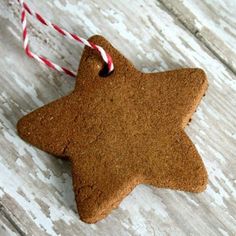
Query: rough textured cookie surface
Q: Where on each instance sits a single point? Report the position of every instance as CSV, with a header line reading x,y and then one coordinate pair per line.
x,y
121,131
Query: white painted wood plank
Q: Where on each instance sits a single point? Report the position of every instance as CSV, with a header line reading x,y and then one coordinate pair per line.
x,y
36,188
212,21
6,228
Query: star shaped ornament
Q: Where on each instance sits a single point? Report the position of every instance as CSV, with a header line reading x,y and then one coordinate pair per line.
x,y
121,131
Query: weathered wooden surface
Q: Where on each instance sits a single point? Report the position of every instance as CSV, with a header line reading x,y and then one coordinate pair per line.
x,y
211,21
6,227
35,188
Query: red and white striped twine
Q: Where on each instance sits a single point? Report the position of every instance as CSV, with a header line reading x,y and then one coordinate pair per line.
x,y
25,9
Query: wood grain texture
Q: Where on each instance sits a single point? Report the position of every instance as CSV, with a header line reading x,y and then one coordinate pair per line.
x,y
211,21
36,189
6,226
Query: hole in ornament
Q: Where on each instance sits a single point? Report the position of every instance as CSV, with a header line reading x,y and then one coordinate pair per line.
x,y
104,72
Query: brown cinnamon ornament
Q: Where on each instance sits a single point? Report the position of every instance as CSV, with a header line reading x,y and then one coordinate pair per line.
x,y
122,130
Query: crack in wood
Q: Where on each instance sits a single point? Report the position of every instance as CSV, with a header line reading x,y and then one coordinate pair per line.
x,y
196,32
8,215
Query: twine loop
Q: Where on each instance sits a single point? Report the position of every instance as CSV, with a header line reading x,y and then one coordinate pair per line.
x,y
109,66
